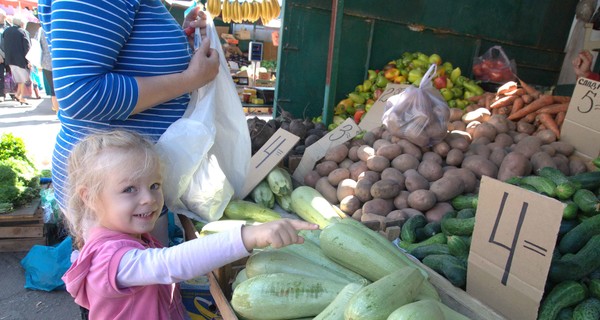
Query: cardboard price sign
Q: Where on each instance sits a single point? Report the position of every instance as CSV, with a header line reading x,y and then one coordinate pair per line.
x,y
344,132
514,237
265,159
373,118
582,123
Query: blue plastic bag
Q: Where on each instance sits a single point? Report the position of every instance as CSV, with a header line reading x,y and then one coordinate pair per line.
x,y
45,265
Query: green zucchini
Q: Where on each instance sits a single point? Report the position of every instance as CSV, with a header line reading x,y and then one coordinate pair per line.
x,y
576,266
263,195
541,184
408,234
450,314
335,310
563,295
247,210
588,309
579,235
452,268
423,309
379,299
587,180
283,296
285,202
311,206
240,277
587,201
280,181
311,235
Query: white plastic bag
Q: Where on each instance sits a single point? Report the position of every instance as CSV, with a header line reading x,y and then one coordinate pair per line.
x,y
207,152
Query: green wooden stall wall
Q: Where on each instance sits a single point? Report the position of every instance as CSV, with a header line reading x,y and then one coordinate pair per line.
x,y
533,32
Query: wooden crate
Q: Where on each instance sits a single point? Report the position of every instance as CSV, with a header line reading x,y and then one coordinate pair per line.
x,y
22,228
453,297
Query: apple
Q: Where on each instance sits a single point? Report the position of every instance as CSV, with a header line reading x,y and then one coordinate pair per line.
x,y
440,82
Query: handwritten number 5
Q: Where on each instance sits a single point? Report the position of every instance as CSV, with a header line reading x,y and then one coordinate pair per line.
x,y
587,95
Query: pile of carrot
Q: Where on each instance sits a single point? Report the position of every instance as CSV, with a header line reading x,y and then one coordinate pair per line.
x,y
525,103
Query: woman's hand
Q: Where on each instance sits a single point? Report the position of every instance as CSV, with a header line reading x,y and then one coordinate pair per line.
x,y
196,18
583,63
204,65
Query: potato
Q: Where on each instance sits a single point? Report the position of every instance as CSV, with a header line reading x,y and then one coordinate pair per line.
x,y
394,175
357,214
389,151
548,149
576,165
430,155
500,123
337,153
421,200
345,188
324,168
540,160
373,221
395,218
547,136
411,212
479,149
346,163
458,125
454,157
481,140
525,127
457,141
357,168
455,114
410,148
442,149
480,166
378,206
385,189
470,181
386,135
515,164
370,175
337,175
380,143
485,130
447,188
562,163
563,148
378,163
519,136
438,211
471,128
310,179
497,156
362,190
405,162
401,200
480,114
350,204
364,152
430,170
369,138
528,146
504,139
353,153
328,191
415,181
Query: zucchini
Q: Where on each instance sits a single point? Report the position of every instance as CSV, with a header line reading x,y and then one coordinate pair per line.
x,y
588,309
408,234
360,251
579,235
563,295
541,184
311,206
263,195
587,180
283,296
311,235
285,202
423,251
465,201
428,291
423,309
224,225
247,210
379,299
577,266
452,268
587,201
450,314
240,277
335,310
280,181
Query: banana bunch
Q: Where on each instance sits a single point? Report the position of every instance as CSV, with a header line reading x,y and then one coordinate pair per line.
x,y
244,10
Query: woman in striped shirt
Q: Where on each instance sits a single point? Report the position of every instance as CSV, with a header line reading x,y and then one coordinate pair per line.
x,y
120,64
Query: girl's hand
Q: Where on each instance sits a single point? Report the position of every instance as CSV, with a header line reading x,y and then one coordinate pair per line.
x,y
204,65
277,234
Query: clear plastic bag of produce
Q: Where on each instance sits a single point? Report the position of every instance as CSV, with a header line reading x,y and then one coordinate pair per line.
x,y
419,115
494,66
207,152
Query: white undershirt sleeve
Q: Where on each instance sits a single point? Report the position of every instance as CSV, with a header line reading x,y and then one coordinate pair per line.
x,y
185,261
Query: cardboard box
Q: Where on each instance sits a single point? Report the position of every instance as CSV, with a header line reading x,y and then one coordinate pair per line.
x,y
582,123
198,300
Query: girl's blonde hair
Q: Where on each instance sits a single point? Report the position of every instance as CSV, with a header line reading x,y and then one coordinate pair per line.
x,y
88,167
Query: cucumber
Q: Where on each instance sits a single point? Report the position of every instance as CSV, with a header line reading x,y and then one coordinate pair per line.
x,y
458,227
423,251
570,211
247,210
577,266
579,235
553,174
587,201
566,226
465,213
588,309
432,228
587,180
565,314
594,288
457,247
563,295
541,184
451,267
465,201
516,181
439,238
596,162
408,233
565,190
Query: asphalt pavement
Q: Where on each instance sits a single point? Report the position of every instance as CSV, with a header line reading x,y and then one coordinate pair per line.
x,y
37,125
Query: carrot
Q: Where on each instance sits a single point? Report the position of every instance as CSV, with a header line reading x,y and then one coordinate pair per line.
x,y
529,118
527,98
560,118
517,105
476,98
542,101
561,99
488,101
507,87
554,108
503,102
517,92
530,90
548,121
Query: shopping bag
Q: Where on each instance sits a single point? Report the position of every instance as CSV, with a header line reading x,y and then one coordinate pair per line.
x,y
10,86
45,265
207,151
418,114
495,66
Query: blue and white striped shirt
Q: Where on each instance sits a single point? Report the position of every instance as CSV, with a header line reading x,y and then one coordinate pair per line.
x,y
98,47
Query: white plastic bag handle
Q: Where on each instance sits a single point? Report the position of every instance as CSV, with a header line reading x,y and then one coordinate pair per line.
x,y
429,75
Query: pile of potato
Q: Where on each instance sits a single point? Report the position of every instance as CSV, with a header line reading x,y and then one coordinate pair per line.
x,y
383,180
